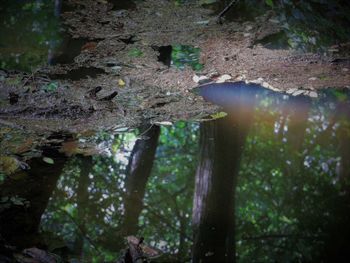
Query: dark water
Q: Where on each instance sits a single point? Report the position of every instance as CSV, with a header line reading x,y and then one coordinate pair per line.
x,y
32,34
79,73
267,183
179,56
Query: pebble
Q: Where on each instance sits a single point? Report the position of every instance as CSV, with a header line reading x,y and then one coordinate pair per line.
x,y
290,91
223,78
199,79
313,94
298,92
257,81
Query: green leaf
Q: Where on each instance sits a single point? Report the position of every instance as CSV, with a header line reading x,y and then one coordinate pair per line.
x,y
135,52
218,115
198,67
207,2
48,160
269,3
340,95
50,87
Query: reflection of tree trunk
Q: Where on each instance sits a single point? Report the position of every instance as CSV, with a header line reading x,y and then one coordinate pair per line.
x,y
138,172
338,231
82,202
57,13
19,225
297,123
343,113
221,146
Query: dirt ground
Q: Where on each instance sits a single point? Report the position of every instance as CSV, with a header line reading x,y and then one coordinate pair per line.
x,y
129,90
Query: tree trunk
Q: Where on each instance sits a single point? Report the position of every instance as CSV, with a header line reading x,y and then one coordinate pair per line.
x,y
82,201
19,224
221,147
138,171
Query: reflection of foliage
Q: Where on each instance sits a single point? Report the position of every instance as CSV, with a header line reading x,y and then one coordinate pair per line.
x,y
183,55
36,33
135,52
168,197
8,164
313,25
101,205
168,201
286,201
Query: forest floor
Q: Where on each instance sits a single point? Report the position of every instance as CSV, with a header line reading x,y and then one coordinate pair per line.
x,y
130,86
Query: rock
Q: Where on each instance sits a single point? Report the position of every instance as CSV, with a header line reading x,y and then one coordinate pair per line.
x,y
223,78
298,92
200,79
290,91
313,94
257,81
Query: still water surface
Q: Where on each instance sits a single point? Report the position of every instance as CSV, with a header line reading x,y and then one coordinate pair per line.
x,y
267,183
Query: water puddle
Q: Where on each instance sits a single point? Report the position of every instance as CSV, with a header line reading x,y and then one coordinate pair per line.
x,y
40,37
79,73
122,5
240,11
38,33
165,54
68,50
179,56
267,182
275,41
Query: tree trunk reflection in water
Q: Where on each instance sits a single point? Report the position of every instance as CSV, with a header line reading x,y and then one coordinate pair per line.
x,y
298,110
137,174
82,202
337,243
19,225
221,147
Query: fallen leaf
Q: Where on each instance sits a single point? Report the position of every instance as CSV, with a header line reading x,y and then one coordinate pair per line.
x,y
48,160
121,82
8,164
89,46
218,115
166,123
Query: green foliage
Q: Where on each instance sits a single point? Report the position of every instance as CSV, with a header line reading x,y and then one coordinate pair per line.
x,y
218,115
135,52
52,86
269,3
285,199
37,32
289,199
183,55
314,25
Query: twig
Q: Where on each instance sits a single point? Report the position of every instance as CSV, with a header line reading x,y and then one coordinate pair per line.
x,y
223,12
11,125
31,76
277,236
85,235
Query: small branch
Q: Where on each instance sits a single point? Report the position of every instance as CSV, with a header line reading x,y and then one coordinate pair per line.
x,y
226,9
276,236
85,235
